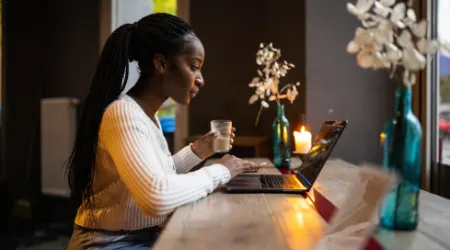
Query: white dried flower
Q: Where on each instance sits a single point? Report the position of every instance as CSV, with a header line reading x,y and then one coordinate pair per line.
x,y
361,8
381,9
387,3
411,15
268,81
413,60
398,14
253,99
391,38
419,29
405,39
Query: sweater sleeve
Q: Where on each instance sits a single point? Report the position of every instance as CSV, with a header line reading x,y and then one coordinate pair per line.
x,y
185,160
128,139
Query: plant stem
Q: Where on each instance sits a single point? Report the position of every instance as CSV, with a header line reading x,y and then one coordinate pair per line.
x,y
285,87
259,114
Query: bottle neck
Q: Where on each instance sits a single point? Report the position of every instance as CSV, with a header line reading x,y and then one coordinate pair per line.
x,y
280,111
403,98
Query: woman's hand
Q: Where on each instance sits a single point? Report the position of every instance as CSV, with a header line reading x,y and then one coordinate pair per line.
x,y
237,166
203,147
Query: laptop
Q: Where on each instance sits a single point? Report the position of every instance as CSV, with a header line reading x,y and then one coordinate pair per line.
x,y
304,177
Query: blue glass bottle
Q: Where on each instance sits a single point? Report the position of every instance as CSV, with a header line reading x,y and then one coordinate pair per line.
x,y
281,140
402,138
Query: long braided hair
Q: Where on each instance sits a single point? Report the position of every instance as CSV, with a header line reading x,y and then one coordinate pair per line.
x,y
158,33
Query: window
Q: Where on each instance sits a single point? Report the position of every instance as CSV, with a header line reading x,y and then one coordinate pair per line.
x,y
167,112
442,80
126,11
166,6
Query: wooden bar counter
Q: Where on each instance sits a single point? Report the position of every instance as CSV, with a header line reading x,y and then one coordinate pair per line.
x,y
285,221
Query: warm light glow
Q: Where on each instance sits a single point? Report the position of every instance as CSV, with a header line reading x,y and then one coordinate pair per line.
x,y
382,138
303,220
302,141
285,135
310,202
300,218
311,196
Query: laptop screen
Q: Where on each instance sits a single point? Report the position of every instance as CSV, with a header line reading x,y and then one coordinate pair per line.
x,y
321,148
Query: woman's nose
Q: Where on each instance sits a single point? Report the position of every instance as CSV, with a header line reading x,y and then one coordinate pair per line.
x,y
199,82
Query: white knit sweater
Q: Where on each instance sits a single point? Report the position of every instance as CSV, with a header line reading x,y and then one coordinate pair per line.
x,y
137,183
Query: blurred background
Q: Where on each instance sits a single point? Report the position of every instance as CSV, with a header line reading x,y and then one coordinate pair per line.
x,y
50,48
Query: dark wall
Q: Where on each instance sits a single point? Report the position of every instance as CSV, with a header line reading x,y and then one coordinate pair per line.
x,y
73,47
339,89
50,50
23,79
231,31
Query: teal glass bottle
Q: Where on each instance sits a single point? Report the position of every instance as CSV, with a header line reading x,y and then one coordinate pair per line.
x,y
402,138
281,140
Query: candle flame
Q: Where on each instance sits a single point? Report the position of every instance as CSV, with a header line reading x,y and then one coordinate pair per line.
x,y
303,129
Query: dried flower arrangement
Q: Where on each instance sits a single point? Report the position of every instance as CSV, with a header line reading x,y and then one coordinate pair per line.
x,y
267,82
391,38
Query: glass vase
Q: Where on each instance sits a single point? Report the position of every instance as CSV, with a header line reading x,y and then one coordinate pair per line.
x,y
281,140
402,139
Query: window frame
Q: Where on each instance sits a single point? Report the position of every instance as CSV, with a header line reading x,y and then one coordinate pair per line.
x,y
438,174
3,169
425,105
421,107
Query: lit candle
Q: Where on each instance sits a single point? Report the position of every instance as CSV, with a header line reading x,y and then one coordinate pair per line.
x,y
302,141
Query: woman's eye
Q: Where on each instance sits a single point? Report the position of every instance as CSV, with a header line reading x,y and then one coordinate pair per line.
x,y
195,67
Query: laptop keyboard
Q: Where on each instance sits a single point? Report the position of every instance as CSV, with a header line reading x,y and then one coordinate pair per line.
x,y
278,181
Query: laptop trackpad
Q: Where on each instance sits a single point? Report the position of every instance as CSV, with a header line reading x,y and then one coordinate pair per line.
x,y
246,181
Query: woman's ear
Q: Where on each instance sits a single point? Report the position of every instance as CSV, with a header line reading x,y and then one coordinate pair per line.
x,y
160,63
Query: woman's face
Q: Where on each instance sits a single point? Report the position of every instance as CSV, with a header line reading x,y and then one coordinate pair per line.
x,y
183,78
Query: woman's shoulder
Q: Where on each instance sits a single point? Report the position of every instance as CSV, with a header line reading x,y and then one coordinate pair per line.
x,y
124,108
121,118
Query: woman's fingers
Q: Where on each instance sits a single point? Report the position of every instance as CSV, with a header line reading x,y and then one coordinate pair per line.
x,y
252,170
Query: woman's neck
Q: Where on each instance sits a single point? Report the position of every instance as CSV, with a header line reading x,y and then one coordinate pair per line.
x,y
151,98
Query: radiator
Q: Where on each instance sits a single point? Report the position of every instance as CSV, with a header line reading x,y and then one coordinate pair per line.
x,y
58,129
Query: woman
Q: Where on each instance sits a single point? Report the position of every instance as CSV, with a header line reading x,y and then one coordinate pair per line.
x,y
120,169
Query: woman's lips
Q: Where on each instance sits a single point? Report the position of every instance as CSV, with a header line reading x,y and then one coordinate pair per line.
x,y
194,93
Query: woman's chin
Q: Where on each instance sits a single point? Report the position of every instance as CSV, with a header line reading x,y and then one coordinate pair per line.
x,y
185,101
